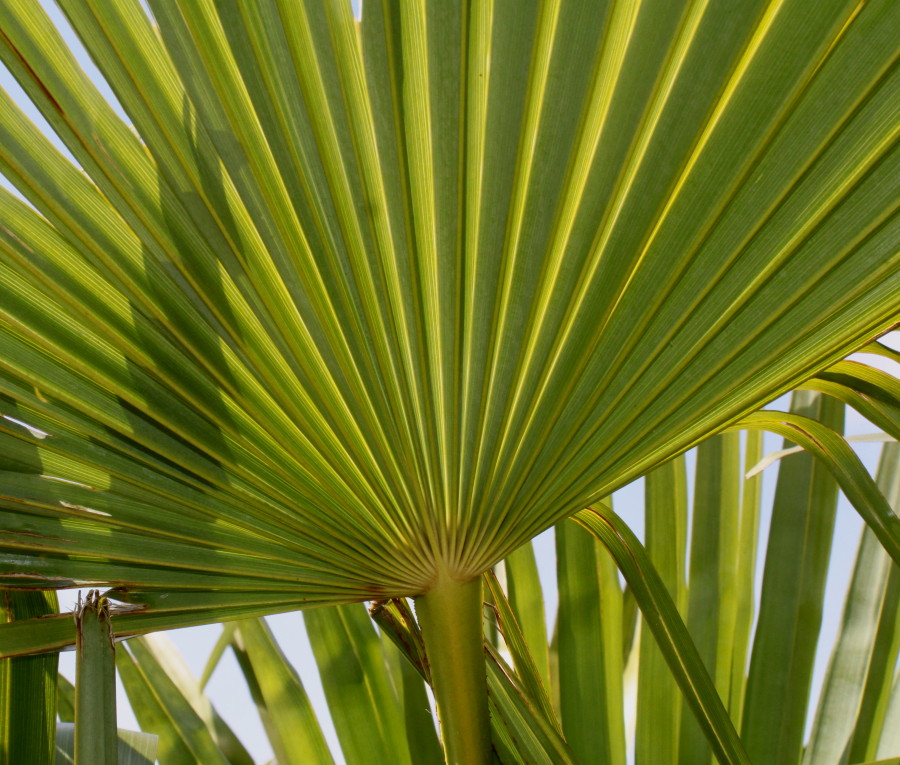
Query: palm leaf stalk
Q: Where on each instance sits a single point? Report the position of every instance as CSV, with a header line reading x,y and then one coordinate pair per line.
x,y
96,733
340,309
450,618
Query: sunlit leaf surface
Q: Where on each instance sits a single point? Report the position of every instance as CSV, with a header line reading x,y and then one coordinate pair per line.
x,y
341,304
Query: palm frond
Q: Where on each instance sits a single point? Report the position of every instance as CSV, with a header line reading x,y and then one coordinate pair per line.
x,y
343,304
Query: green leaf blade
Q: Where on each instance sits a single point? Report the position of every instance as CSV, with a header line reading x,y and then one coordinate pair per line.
x,y
590,663
659,699
280,697
793,585
672,636
356,685
27,687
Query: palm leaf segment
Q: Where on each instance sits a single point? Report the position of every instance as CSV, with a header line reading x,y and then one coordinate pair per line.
x,y
351,302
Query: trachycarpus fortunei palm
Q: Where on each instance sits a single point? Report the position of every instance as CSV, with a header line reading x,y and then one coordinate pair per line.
x,y
350,309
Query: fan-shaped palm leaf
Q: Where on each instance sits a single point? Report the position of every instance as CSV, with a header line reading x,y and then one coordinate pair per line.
x,y
354,307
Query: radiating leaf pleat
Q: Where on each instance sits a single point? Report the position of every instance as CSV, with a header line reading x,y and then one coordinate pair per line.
x,y
394,295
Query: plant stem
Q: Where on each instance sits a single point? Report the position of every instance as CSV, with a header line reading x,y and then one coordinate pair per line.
x,y
450,617
96,734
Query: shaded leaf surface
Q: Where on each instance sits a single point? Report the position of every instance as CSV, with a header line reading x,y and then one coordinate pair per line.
x,y
338,300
